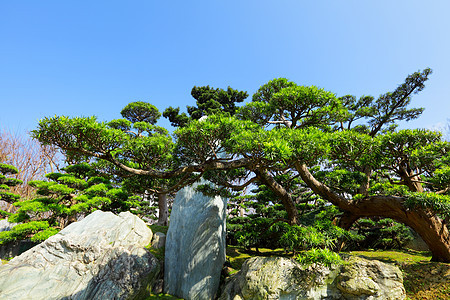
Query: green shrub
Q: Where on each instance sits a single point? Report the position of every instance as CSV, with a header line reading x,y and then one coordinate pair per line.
x,y
321,256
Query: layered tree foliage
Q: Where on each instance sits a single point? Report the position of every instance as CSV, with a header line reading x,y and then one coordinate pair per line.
x,y
6,183
345,150
138,122
209,101
138,153
291,137
78,191
19,231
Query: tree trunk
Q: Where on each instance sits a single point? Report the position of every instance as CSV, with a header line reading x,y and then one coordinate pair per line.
x,y
286,198
364,188
163,215
431,228
412,182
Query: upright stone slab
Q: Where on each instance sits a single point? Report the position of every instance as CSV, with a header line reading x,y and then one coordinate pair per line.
x,y
195,245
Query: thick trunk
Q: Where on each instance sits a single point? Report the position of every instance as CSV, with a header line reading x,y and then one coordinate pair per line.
x,y
163,216
364,188
431,228
346,220
284,196
412,182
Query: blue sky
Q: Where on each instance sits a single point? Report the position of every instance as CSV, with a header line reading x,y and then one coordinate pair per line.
x,y
83,58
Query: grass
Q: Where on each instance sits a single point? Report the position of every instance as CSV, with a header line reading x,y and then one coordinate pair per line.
x,y
157,228
398,257
236,255
158,253
162,296
422,278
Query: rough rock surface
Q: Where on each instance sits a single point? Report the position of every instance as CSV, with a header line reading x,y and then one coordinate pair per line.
x,y
195,245
284,278
417,243
5,225
159,240
100,257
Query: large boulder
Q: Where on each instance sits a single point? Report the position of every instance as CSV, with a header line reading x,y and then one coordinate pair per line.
x,y
100,257
195,245
285,278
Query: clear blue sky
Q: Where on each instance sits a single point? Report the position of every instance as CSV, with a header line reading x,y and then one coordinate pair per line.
x,y
82,58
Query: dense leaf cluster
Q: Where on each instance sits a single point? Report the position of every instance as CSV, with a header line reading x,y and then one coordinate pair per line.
x,y
63,199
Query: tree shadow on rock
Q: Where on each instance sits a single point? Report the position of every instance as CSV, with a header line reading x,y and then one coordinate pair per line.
x,y
126,276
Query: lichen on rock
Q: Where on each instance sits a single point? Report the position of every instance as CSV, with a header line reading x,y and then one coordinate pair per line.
x,y
285,278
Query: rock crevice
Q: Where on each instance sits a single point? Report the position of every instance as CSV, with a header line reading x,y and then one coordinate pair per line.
x,y
100,257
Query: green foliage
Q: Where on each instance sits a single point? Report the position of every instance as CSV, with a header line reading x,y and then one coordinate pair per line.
x,y
140,112
253,233
266,91
159,228
210,101
382,233
307,106
301,238
124,144
23,231
8,169
121,124
303,146
8,196
439,204
44,234
58,202
5,185
321,256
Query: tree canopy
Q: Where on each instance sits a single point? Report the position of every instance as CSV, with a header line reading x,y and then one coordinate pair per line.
x,y
291,137
209,101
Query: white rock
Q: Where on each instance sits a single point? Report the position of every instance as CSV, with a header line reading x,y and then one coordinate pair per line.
x,y
159,240
100,257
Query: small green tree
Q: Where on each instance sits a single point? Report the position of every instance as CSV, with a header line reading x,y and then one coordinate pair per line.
x,y
5,187
64,198
19,231
127,147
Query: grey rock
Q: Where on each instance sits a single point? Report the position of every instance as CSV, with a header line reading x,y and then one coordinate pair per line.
x,y
195,245
417,243
159,240
371,279
14,248
100,257
284,278
158,287
5,225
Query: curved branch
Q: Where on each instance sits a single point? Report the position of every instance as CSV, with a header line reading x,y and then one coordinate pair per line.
x,y
209,165
182,183
240,187
321,189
